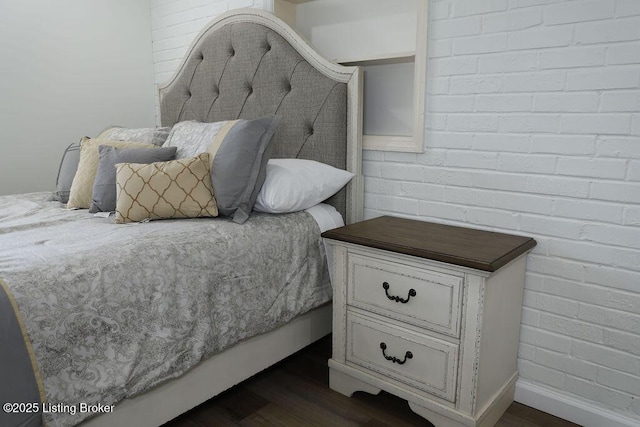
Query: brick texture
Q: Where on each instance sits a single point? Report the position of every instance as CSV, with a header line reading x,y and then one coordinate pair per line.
x,y
537,133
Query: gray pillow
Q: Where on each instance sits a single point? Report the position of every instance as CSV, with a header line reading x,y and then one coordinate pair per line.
x,y
103,198
240,150
66,172
240,166
155,136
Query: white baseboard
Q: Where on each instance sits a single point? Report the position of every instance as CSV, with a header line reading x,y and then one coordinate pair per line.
x,y
570,408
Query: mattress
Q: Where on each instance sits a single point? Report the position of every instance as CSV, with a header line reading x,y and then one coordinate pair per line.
x,y
112,310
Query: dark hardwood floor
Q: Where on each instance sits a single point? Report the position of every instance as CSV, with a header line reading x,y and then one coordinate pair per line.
x,y
295,392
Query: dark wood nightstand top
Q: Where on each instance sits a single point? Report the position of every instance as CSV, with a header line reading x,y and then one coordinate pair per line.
x,y
482,250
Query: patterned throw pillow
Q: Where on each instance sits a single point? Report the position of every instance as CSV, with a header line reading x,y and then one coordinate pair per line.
x,y
175,189
82,186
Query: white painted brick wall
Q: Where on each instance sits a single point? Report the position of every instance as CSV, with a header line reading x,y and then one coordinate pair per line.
x,y
533,127
572,12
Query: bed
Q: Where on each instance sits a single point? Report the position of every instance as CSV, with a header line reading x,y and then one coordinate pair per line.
x,y
244,65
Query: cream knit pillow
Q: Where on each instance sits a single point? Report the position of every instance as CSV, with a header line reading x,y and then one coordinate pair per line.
x,y
175,189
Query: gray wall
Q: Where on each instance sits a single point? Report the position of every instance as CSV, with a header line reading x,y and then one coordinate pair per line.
x,y
67,69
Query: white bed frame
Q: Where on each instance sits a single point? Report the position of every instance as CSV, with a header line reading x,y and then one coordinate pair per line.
x,y
251,356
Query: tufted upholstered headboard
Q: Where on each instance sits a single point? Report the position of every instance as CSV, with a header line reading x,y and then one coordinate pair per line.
x,y
247,64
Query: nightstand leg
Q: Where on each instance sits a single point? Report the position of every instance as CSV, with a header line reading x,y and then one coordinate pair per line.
x,y
348,385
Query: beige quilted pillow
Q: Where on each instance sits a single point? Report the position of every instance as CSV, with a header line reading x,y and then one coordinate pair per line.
x,y
82,185
175,189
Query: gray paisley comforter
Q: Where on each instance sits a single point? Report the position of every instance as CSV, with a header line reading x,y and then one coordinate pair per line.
x,y
112,310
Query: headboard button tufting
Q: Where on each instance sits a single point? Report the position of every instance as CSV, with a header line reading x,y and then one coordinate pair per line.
x,y
213,85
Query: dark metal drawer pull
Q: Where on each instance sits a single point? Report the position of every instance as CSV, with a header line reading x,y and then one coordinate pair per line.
x,y
412,293
407,355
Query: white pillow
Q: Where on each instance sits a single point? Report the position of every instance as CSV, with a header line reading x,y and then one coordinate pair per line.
x,y
293,185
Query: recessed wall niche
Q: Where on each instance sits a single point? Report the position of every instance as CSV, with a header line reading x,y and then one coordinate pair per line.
x,y
389,40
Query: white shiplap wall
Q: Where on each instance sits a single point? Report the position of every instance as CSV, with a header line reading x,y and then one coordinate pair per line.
x,y
533,127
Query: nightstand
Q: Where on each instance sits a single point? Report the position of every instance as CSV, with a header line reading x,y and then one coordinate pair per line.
x,y
430,313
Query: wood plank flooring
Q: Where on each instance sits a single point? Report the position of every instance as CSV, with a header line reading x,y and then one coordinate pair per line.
x,y
296,392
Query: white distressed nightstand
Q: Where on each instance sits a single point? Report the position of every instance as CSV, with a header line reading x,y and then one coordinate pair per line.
x,y
430,313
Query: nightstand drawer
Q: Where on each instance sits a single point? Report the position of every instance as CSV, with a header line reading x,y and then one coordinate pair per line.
x,y
422,362
418,296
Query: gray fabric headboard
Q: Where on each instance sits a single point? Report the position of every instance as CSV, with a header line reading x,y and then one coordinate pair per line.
x,y
240,69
